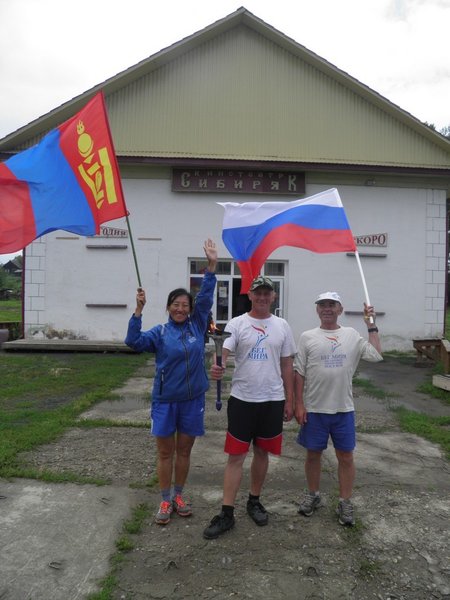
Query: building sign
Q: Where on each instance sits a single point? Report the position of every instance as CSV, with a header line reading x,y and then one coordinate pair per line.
x,y
371,239
112,232
238,181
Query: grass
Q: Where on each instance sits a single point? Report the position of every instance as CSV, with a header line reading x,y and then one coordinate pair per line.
x,y
124,544
428,388
434,429
43,394
368,569
10,310
368,386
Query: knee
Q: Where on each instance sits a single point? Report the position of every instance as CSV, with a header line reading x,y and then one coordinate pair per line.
x,y
313,457
259,452
165,454
345,458
184,452
236,460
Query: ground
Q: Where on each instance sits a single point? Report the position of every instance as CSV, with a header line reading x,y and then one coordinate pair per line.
x,y
399,548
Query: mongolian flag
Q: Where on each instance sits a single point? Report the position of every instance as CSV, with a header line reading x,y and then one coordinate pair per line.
x,y
70,181
253,230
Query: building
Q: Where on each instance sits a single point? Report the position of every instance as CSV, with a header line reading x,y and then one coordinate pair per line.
x,y
14,266
240,112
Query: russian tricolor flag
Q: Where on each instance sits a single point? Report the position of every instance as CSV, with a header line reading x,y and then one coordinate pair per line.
x,y
253,230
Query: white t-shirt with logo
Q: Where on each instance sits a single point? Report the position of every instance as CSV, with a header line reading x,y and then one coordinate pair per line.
x,y
328,360
258,346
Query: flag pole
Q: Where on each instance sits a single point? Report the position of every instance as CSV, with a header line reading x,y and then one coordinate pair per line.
x,y
366,292
134,251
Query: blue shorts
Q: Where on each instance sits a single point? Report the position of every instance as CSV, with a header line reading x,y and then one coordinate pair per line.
x,y
183,417
314,434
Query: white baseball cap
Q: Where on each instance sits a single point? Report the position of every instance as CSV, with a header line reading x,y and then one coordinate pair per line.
x,y
329,296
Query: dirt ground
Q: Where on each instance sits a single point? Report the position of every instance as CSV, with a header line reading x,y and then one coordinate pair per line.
x,y
399,548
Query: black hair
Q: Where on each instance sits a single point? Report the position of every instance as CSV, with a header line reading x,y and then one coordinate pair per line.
x,y
174,294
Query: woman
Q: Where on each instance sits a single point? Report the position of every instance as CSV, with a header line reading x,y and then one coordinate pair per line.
x,y
178,395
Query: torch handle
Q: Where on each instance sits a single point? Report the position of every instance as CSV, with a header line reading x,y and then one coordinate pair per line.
x,y
219,384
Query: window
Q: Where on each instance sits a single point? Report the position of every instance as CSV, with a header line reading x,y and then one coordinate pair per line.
x,y
228,301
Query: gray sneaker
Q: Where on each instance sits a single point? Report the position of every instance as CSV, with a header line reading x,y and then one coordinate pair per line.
x,y
345,512
309,504
163,515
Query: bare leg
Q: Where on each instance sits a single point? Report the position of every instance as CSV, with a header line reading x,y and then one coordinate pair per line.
x,y
312,469
346,473
260,464
232,478
164,467
184,445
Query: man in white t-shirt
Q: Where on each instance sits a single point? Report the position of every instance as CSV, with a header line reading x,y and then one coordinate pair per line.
x,y
326,360
263,347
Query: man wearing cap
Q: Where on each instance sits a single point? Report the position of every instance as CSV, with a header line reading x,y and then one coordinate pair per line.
x,y
263,347
326,360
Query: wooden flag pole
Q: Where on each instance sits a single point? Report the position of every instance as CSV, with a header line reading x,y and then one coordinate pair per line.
x,y
134,251
366,292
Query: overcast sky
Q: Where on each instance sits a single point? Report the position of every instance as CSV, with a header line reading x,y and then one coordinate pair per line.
x,y
52,50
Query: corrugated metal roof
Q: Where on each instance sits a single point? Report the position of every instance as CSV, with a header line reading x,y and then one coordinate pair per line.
x,y
241,90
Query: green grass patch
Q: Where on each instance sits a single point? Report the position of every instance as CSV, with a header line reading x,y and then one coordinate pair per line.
x,y
435,392
94,423
43,395
404,358
108,584
369,387
434,429
10,310
123,545
368,569
428,388
134,525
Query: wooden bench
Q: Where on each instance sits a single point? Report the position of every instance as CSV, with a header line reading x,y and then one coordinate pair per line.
x,y
428,349
445,356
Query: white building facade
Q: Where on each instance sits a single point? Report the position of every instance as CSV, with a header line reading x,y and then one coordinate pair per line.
x,y
232,107
85,287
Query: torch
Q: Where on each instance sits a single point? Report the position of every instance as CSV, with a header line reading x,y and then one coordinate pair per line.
x,y
218,338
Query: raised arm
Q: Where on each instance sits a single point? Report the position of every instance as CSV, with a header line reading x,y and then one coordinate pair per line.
x,y
140,302
374,339
211,254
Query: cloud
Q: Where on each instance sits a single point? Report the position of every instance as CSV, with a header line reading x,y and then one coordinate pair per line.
x,y
47,56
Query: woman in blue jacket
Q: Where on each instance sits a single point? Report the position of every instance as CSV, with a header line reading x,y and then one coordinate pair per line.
x,y
178,395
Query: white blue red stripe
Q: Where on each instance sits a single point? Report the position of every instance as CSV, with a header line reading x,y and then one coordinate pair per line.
x,y
253,230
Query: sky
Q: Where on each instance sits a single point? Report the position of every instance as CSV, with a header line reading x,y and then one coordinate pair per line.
x,y
52,51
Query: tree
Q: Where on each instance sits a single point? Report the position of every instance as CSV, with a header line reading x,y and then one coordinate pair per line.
x,y
445,131
9,282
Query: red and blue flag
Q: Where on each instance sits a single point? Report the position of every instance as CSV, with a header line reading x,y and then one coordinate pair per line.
x,y
70,180
253,230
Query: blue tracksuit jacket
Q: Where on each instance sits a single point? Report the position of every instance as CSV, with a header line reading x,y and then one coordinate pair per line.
x,y
179,349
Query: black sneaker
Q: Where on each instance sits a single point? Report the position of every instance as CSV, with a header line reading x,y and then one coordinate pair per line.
x,y
257,512
218,525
